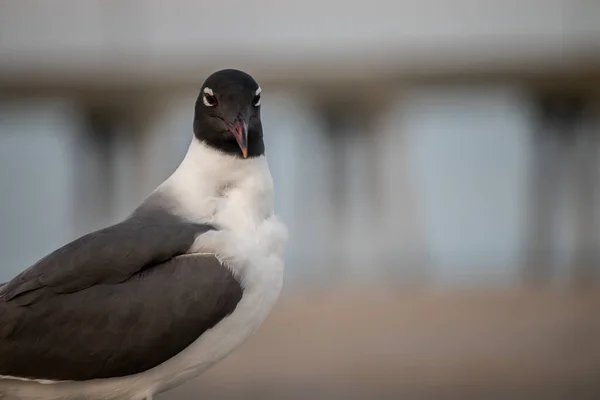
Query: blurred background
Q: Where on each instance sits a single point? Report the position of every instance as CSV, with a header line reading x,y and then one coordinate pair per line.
x,y
436,163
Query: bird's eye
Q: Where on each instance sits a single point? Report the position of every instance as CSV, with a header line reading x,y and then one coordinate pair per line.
x,y
256,100
209,100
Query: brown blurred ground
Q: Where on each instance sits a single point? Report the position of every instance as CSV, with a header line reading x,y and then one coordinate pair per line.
x,y
353,344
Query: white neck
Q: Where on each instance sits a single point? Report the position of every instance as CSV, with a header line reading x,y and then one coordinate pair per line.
x,y
214,187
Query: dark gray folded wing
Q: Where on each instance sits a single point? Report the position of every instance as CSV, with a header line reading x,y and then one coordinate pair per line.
x,y
114,302
116,328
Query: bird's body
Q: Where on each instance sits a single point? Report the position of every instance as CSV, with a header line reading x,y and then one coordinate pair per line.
x,y
142,306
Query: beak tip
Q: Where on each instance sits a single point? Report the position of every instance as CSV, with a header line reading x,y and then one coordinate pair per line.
x,y
239,130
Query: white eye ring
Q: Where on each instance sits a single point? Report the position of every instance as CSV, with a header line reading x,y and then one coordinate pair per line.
x,y
209,98
257,97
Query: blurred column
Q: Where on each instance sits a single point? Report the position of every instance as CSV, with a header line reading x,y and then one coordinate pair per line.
x,y
586,261
110,184
111,148
547,173
376,215
563,218
400,240
355,194
37,179
583,164
93,160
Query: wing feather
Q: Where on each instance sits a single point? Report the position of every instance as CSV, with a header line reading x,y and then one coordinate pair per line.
x,y
116,329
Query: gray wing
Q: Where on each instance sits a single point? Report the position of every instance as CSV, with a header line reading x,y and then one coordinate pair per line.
x,y
116,329
112,303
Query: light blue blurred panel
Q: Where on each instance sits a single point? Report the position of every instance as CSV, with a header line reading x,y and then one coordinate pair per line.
x,y
37,144
281,130
471,151
299,158
166,140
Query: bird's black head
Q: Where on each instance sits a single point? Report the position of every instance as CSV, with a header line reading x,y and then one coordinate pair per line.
x,y
227,114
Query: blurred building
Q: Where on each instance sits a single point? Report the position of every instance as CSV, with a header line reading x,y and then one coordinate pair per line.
x,y
409,141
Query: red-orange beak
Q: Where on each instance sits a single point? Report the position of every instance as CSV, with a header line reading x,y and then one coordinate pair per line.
x,y
239,130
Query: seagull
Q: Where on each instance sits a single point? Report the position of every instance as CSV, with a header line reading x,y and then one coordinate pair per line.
x,y
144,305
